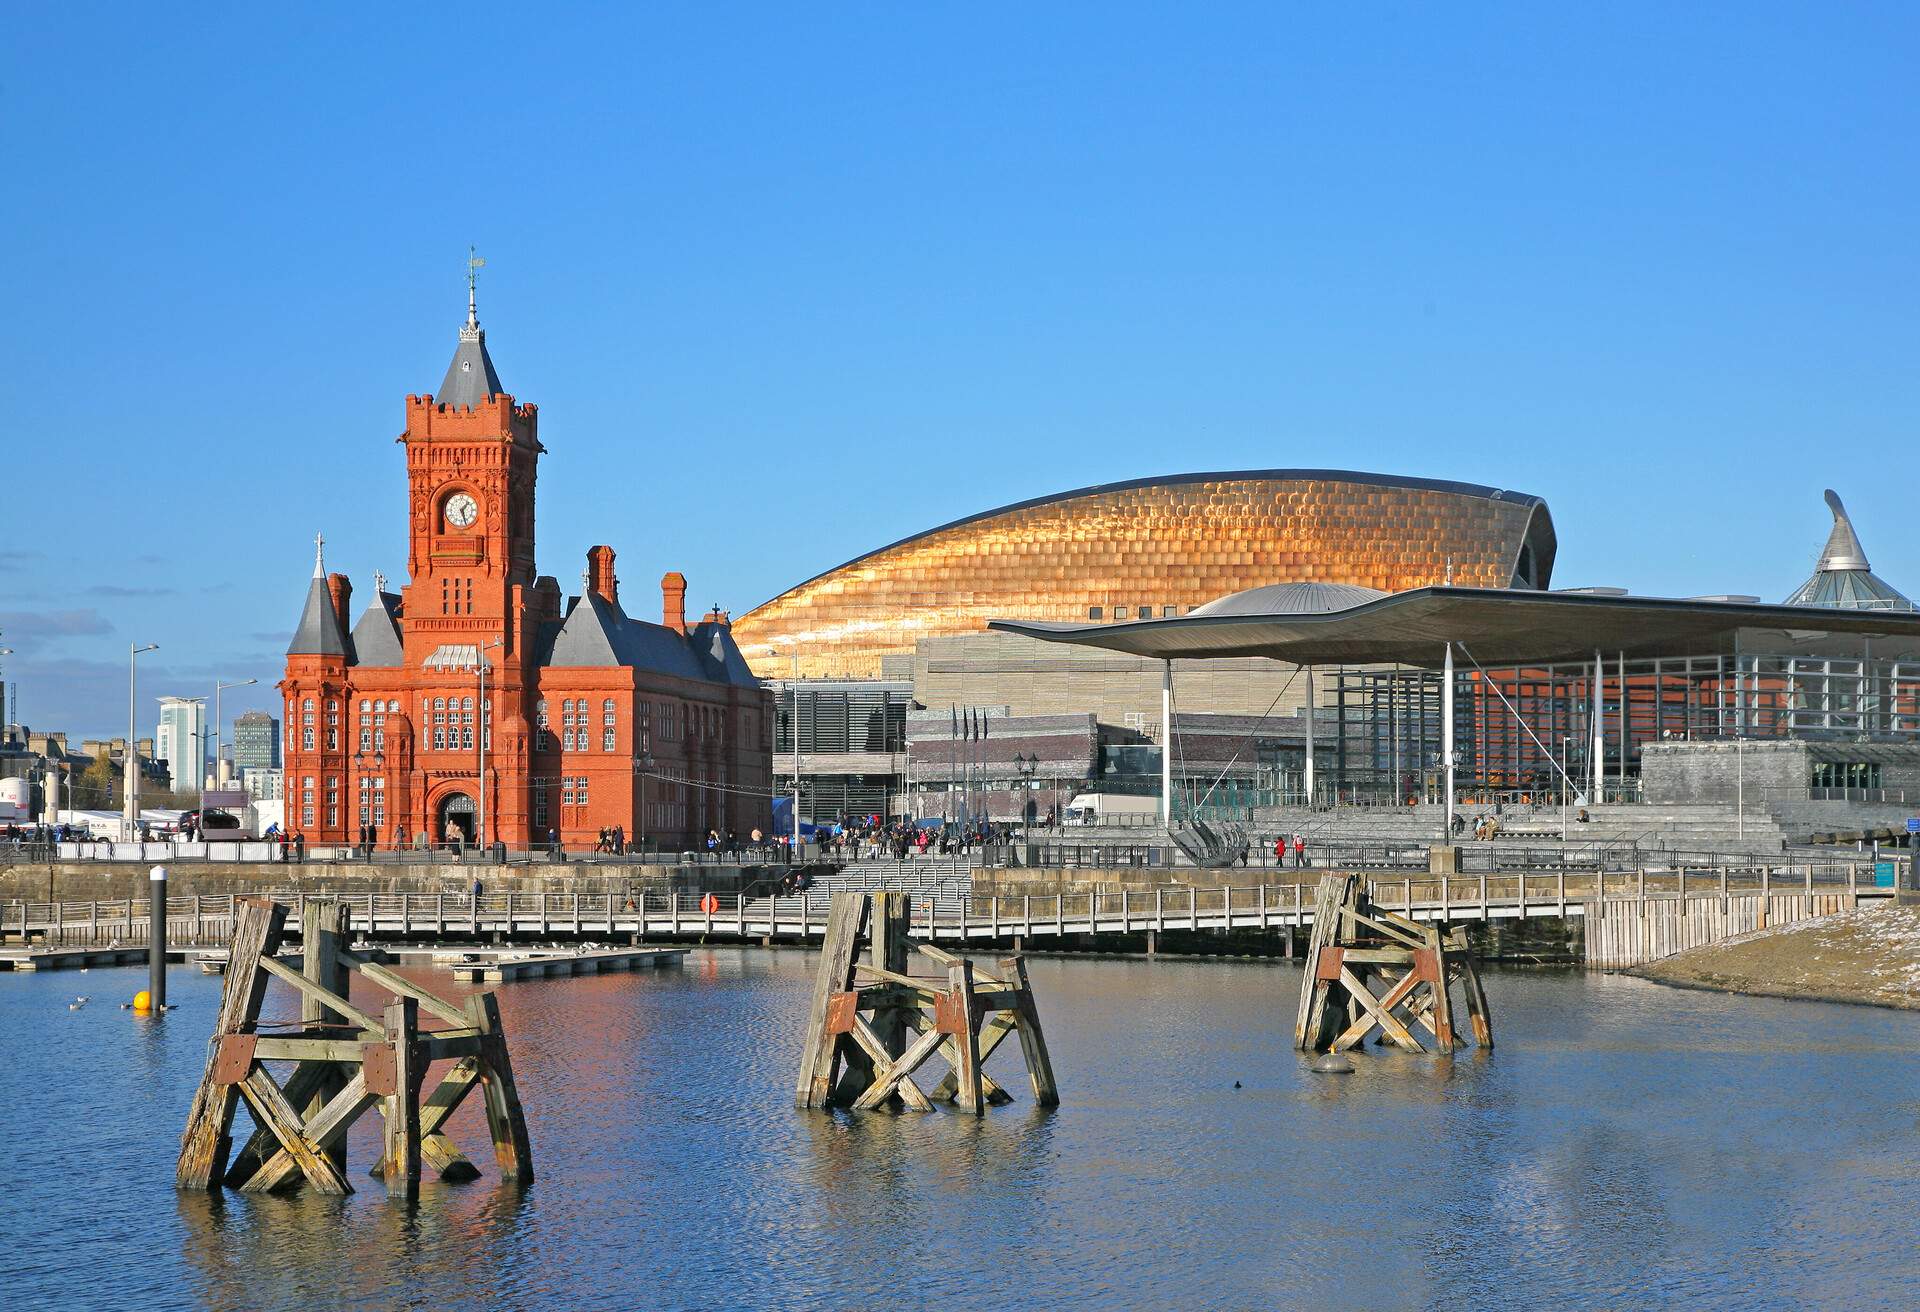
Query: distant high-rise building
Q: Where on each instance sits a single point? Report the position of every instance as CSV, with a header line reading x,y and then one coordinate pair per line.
x,y
262,784
180,742
256,742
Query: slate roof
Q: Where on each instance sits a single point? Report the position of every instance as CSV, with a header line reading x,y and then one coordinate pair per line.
x,y
319,631
376,638
470,377
597,632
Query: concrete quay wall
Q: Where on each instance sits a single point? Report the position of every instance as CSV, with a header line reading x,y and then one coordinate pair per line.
x,y
89,881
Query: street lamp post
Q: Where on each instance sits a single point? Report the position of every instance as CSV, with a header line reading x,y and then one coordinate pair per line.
x,y
9,719
646,765
1027,765
130,786
218,688
480,721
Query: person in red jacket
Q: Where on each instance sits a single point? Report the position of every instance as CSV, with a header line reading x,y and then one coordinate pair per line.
x,y
1280,850
1300,850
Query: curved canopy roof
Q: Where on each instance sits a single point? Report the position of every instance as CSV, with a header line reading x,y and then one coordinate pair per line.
x,y
1290,599
1496,626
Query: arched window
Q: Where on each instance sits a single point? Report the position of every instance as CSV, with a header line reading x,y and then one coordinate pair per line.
x,y
307,705
466,703
439,703
606,712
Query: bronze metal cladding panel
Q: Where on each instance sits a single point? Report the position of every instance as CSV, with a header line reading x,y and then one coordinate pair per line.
x,y
1144,548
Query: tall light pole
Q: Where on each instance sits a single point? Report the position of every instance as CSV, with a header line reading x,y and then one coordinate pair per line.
x,y
480,735
793,726
1027,766
4,717
218,688
130,785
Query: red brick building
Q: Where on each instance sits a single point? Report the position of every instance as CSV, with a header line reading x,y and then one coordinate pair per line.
x,y
588,719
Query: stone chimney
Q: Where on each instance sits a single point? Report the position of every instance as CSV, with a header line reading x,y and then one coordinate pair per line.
x,y
340,592
600,579
673,601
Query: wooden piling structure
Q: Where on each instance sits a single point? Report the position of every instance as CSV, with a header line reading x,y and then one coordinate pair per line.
x,y
872,1025
344,1061
1369,969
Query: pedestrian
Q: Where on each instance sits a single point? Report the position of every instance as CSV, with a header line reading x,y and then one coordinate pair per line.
x,y
300,846
1280,851
1300,851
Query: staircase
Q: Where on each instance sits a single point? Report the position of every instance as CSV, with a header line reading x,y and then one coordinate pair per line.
x,y
1701,827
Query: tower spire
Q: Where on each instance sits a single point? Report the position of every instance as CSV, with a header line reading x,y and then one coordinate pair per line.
x,y
319,556
474,263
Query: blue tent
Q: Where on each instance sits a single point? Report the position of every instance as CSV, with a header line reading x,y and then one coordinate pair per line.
x,y
783,821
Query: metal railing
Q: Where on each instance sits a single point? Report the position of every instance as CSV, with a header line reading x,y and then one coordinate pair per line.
x,y
590,916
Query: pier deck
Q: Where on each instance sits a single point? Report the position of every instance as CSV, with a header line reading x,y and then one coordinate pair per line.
x,y
492,968
1646,914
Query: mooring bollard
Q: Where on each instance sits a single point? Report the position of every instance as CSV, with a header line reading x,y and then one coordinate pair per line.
x,y
157,938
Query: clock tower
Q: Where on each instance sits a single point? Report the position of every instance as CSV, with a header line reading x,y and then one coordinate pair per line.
x,y
472,454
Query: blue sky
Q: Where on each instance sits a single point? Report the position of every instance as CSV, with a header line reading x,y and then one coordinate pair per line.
x,y
789,282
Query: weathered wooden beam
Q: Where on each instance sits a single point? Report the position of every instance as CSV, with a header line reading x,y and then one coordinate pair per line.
x,y
270,1106
1477,1009
438,1152
965,1028
992,1034
431,1003
506,1121
949,960
1356,1034
1033,1043
258,925
402,1106
1432,968
1396,1033
887,1079
327,997
880,1059
325,924
437,1045
325,1132
261,1145
1379,956
819,1056
1313,1025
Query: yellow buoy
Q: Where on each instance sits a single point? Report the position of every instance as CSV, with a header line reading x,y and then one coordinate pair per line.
x,y
143,1001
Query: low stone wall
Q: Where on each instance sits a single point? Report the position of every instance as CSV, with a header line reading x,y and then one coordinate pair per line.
x,y
1078,880
89,881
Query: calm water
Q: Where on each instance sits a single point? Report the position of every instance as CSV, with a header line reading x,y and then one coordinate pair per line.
x,y
1627,1146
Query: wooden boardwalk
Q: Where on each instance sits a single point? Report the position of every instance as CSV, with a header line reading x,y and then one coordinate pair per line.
x,y
495,968
1645,914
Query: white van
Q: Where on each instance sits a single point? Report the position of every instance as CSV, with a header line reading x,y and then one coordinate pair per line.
x,y
1113,809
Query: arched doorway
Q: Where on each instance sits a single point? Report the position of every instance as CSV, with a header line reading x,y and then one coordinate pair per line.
x,y
456,818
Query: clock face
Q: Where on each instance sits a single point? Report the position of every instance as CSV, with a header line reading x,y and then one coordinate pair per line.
x,y
461,510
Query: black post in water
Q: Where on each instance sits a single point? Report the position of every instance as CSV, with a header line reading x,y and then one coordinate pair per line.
x,y
157,938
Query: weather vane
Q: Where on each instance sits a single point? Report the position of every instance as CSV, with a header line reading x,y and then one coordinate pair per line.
x,y
474,264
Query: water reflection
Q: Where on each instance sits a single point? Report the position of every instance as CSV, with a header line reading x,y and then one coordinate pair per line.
x,y
1626,1146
